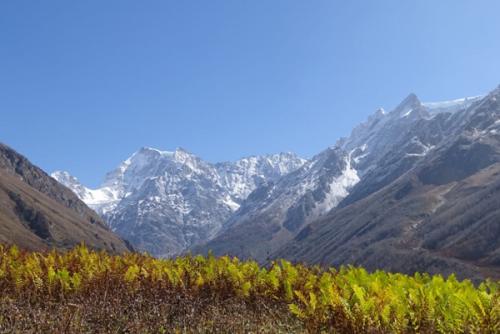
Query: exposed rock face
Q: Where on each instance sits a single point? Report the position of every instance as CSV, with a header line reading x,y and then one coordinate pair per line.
x,y
37,213
273,213
376,153
165,202
438,214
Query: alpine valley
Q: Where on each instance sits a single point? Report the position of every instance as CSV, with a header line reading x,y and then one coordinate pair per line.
x,y
413,189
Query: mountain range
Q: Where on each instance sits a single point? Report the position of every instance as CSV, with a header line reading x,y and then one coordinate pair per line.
x,y
166,202
413,189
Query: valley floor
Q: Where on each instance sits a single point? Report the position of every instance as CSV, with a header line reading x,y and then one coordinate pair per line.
x,y
81,291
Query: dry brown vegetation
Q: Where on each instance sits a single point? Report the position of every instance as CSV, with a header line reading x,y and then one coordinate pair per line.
x,y
81,291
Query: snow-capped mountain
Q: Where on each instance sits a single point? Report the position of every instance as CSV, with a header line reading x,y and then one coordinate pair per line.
x,y
100,200
429,203
389,144
242,177
274,212
373,139
390,187
377,152
165,202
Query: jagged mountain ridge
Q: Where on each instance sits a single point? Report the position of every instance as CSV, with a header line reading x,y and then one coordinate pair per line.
x,y
277,216
438,214
165,202
274,212
377,152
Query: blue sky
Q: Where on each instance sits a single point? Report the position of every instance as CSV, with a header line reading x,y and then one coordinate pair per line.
x,y
83,84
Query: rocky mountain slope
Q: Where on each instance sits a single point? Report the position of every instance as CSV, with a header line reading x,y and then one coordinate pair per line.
x,y
165,202
377,151
37,213
435,209
273,213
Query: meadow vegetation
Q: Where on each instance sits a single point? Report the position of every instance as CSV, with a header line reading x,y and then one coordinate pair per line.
x,y
82,291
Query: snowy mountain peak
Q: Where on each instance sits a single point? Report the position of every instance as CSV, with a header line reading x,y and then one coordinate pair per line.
x,y
182,149
166,201
68,180
411,99
152,150
150,153
382,129
183,156
410,104
101,200
64,176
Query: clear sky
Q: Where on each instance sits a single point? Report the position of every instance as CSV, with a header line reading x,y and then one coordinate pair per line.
x,y
83,84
